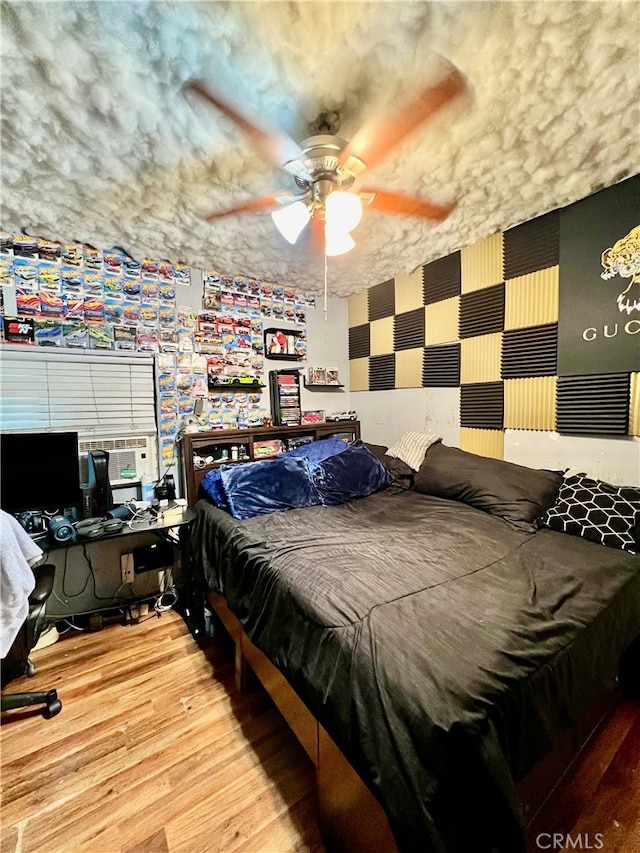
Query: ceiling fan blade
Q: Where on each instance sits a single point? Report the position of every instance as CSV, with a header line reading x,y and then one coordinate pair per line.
x,y
373,142
277,144
390,202
250,206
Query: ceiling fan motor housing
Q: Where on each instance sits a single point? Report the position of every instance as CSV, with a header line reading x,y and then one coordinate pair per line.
x,y
320,159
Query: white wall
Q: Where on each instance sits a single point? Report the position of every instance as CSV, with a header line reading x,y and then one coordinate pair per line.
x,y
616,460
386,415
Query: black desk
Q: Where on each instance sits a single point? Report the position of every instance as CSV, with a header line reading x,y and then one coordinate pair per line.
x,y
174,517
177,516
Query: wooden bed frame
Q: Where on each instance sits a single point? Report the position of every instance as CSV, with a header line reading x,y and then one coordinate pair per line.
x,y
351,820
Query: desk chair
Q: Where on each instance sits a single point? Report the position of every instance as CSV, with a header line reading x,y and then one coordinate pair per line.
x,y
17,662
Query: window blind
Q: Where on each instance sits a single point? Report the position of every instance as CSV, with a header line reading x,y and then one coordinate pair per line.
x,y
93,394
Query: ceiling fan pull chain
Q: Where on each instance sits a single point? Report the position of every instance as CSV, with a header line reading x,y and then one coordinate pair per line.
x,y
325,287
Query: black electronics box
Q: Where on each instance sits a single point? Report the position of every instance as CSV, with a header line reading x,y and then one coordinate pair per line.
x,y
149,558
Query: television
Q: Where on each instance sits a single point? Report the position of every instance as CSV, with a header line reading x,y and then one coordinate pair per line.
x,y
39,471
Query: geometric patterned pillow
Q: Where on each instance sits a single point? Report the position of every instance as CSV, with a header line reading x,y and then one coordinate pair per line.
x,y
597,511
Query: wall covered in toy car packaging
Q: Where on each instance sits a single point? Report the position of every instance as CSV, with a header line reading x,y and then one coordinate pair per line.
x,y
210,358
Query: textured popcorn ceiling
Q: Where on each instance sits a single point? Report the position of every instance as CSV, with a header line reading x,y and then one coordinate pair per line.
x,y
99,144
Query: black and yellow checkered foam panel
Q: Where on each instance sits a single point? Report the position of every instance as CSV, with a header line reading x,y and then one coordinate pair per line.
x,y
486,319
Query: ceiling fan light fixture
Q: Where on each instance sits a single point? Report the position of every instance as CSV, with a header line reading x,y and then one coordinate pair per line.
x,y
343,210
290,220
337,241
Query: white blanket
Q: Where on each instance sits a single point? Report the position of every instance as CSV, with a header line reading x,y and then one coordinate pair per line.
x,y
18,552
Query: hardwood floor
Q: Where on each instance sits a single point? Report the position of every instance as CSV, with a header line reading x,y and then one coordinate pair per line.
x,y
155,752
597,805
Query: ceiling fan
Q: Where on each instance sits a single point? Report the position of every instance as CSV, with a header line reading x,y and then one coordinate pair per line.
x,y
327,169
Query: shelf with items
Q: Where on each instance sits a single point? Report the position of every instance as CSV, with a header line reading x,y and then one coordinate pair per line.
x,y
332,386
280,357
204,444
220,451
284,389
283,344
246,387
321,377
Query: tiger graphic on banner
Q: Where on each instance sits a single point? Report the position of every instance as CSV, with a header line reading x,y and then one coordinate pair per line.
x,y
623,259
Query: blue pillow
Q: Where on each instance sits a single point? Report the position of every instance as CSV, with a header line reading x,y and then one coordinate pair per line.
x,y
354,473
271,485
212,485
316,451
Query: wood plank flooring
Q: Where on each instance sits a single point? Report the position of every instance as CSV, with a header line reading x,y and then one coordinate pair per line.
x,y
155,752
597,805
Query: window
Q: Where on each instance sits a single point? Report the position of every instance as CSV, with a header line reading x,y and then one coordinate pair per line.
x,y
93,394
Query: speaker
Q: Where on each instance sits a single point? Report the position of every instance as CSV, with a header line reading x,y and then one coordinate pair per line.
x,y
61,529
98,498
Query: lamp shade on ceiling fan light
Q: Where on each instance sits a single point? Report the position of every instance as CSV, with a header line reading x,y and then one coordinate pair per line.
x,y
337,241
343,210
290,220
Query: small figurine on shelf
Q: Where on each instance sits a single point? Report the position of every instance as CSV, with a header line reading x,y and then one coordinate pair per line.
x,y
278,343
267,422
317,376
343,416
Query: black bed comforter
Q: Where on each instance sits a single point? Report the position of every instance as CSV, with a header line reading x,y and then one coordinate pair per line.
x,y
441,649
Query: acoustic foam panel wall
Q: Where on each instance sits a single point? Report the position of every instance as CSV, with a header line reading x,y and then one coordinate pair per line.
x,y
634,405
359,341
382,372
530,352
482,405
531,300
359,374
492,318
382,300
534,245
482,311
358,304
409,368
484,442
441,321
441,366
408,330
381,336
480,359
441,279
530,403
481,264
592,405
408,291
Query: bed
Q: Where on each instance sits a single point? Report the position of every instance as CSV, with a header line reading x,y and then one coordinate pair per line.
x,y
443,648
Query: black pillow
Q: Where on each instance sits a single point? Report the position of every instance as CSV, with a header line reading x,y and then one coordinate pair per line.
x,y
517,494
597,511
398,469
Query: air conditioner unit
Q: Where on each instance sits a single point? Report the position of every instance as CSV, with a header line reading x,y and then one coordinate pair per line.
x,y
129,457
